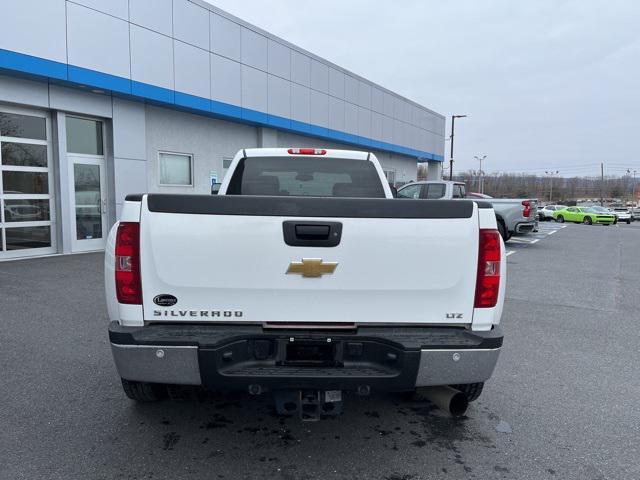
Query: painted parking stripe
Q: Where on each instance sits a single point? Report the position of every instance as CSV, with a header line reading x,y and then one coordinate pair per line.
x,y
510,252
522,240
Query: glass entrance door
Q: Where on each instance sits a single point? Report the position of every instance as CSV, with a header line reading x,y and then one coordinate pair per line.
x,y
88,202
27,215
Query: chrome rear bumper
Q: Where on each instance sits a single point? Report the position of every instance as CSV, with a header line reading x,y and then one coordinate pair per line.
x,y
235,357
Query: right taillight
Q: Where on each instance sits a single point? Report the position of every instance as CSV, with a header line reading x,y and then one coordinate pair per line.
x,y
526,210
128,285
488,279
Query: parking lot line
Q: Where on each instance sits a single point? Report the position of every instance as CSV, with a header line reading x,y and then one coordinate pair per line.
x,y
522,240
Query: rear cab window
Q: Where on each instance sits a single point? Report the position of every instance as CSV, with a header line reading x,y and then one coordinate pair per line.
x,y
434,190
306,177
411,191
458,191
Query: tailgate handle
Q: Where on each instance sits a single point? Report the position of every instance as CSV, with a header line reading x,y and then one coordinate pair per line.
x,y
311,234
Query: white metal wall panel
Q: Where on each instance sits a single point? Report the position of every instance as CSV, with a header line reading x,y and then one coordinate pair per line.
x,y
191,23
336,114
97,41
387,129
42,35
364,122
351,89
376,126
129,129
79,101
351,118
116,8
319,109
398,132
151,57
300,103
254,48
388,104
300,68
130,176
279,97
319,76
226,80
336,83
279,60
156,15
192,69
364,94
377,100
27,92
225,37
254,89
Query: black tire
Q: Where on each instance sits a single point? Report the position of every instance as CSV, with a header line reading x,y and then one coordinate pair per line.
x,y
628,222
560,219
141,391
503,231
587,221
471,390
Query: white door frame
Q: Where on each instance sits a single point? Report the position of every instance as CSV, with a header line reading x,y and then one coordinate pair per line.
x,y
87,245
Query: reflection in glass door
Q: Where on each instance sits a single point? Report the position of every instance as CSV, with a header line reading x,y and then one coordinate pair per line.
x,y
89,204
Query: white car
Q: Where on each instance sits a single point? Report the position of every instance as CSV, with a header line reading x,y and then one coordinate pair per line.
x,y
622,214
287,282
546,212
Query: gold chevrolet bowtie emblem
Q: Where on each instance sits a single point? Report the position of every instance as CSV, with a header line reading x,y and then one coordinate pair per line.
x,y
312,267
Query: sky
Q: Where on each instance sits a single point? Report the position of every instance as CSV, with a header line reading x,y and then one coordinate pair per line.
x,y
546,84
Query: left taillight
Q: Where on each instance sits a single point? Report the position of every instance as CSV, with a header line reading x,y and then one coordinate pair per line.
x,y
128,284
526,211
488,279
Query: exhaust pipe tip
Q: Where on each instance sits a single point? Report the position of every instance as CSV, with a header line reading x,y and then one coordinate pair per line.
x,y
446,398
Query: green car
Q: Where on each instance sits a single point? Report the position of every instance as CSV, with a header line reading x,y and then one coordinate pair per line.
x,y
586,215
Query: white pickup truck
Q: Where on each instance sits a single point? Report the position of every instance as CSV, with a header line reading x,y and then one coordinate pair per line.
x,y
305,278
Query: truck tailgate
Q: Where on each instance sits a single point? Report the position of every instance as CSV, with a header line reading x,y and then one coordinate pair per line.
x,y
225,259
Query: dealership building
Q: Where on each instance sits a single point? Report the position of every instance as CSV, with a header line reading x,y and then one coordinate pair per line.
x,y
101,98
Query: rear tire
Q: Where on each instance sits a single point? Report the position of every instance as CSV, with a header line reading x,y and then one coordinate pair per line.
x,y
587,221
503,231
142,392
628,222
560,219
471,390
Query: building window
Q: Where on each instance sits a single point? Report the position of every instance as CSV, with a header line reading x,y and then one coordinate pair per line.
x,y
176,169
84,136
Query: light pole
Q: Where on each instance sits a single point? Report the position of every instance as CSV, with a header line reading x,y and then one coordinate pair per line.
x,y
633,185
453,125
481,173
551,174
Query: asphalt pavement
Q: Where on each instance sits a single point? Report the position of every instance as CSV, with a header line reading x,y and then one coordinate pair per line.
x,y
563,402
